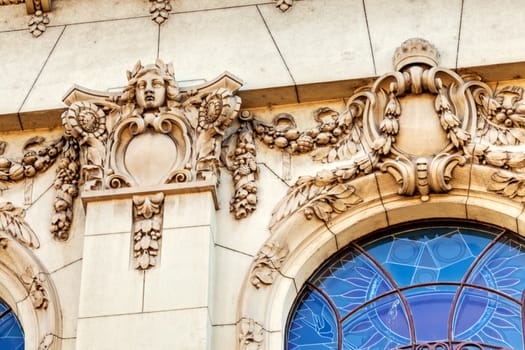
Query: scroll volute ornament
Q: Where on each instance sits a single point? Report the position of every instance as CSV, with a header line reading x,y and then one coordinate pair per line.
x,y
384,125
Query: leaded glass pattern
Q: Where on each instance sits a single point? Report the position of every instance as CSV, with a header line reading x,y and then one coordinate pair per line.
x,y
11,334
430,286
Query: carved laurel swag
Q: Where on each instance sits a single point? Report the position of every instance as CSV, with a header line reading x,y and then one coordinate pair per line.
x,y
37,157
321,196
12,223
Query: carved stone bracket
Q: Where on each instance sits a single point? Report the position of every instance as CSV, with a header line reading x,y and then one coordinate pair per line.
x,y
39,21
267,264
283,5
251,334
147,230
37,8
160,10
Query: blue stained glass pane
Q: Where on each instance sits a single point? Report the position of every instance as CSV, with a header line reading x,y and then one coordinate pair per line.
x,y
380,325
351,281
428,266
488,316
430,308
314,325
11,335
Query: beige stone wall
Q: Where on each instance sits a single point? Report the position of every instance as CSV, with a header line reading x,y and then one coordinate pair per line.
x,y
204,292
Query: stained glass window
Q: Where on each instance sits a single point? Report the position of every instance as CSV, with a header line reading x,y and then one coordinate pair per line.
x,y
430,286
11,334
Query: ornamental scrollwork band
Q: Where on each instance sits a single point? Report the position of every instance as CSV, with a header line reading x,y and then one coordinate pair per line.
x,y
109,136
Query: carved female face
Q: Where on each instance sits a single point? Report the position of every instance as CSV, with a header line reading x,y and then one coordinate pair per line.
x,y
150,91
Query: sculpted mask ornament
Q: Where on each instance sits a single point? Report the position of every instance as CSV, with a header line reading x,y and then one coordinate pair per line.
x,y
150,87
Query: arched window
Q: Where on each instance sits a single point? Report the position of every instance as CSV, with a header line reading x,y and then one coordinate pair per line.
x,y
11,334
431,285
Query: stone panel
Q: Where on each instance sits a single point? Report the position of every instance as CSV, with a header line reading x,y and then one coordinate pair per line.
x,y
21,64
392,22
79,11
67,284
109,283
171,330
181,279
196,5
230,272
113,216
94,55
314,44
202,45
185,210
491,32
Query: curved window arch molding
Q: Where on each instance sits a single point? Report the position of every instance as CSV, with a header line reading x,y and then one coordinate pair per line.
x,y
27,288
263,312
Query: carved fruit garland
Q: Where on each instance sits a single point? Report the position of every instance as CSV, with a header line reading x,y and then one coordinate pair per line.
x,y
38,158
241,161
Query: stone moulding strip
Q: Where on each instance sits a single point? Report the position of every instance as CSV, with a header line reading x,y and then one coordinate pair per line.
x,y
169,189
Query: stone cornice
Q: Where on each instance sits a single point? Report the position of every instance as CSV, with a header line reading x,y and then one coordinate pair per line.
x,y
264,97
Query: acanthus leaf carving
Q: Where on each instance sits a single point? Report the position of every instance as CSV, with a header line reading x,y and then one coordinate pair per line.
x,y
46,342
147,230
251,334
508,184
12,223
267,264
34,283
321,196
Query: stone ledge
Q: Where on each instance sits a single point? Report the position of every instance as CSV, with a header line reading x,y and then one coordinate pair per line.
x,y
175,188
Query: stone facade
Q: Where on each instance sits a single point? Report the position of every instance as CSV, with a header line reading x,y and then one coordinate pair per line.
x,y
148,204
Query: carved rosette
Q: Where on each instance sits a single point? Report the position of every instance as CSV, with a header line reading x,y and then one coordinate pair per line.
x,y
267,264
216,113
147,230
